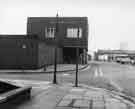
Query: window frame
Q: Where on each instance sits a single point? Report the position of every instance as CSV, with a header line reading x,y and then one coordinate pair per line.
x,y
51,33
71,30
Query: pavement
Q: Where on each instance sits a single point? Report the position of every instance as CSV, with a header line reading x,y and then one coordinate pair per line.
x,y
66,96
92,98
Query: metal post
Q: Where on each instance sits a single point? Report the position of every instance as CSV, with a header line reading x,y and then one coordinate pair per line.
x,y
55,54
77,57
55,67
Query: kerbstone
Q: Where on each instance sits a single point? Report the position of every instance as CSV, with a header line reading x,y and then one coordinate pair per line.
x,y
100,98
82,103
128,102
77,90
73,96
112,100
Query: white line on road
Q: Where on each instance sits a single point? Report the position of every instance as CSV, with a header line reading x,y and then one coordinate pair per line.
x,y
96,73
100,72
66,74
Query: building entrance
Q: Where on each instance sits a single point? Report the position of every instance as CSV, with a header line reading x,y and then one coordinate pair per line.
x,y
69,55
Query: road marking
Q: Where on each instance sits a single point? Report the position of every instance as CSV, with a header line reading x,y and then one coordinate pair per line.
x,y
66,74
100,72
96,73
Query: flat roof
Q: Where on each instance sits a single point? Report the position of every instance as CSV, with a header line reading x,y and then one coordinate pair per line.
x,y
65,19
116,51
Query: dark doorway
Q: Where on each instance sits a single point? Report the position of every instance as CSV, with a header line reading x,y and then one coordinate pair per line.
x,y
69,55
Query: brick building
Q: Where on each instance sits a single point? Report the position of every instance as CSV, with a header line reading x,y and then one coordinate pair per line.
x,y
36,49
72,33
18,51
24,52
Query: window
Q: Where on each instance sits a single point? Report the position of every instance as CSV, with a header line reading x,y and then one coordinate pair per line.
x,y
74,32
50,32
23,46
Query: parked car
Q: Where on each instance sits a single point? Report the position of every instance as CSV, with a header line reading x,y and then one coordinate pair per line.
x,y
118,59
132,60
124,59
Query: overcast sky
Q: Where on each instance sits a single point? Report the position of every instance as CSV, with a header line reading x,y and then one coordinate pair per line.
x,y
111,22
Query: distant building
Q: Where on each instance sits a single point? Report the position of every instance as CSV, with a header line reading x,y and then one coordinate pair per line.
x,y
112,54
72,32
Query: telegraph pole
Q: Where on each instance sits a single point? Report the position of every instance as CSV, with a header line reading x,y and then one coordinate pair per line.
x,y
55,53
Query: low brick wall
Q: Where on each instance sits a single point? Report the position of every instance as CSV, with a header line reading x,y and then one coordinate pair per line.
x,y
13,97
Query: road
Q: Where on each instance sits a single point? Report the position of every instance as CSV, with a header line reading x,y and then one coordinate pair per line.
x,y
109,75
122,76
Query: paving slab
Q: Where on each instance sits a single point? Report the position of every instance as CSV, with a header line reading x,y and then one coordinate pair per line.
x,y
82,103
130,107
98,104
77,91
73,96
117,105
107,96
93,95
65,102
112,100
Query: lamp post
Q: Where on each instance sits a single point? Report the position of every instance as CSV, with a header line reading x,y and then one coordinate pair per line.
x,y
76,77
55,53
55,67
77,61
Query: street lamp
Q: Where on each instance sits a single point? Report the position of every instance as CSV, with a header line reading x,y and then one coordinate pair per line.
x,y
76,76
55,53
77,61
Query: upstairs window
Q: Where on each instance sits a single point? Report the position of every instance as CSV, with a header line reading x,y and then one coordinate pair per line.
x,y
50,32
74,32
